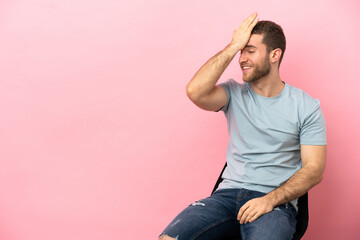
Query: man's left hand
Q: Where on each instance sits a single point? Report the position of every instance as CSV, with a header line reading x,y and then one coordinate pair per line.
x,y
253,209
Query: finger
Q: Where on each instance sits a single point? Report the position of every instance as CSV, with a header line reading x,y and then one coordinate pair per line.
x,y
256,20
241,211
250,25
245,216
256,216
250,18
250,216
246,23
253,16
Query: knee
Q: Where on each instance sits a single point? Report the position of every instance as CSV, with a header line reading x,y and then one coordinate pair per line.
x,y
166,237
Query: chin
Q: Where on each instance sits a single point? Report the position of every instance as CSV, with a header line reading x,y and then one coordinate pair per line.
x,y
248,79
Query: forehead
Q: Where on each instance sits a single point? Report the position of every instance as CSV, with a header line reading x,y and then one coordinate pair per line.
x,y
256,40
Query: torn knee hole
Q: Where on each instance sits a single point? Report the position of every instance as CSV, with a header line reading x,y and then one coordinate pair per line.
x,y
166,237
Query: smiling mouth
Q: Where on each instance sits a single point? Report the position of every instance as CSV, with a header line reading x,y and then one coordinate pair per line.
x,y
245,68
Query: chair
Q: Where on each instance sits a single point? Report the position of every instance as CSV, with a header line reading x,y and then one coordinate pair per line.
x,y
302,216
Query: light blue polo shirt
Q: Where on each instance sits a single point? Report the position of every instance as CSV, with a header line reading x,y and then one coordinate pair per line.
x,y
265,135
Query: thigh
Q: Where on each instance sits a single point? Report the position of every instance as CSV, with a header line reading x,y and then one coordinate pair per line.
x,y
278,224
208,218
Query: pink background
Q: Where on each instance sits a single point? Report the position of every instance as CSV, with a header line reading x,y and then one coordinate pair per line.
x,y
98,139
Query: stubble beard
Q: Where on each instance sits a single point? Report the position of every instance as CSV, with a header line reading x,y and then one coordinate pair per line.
x,y
259,71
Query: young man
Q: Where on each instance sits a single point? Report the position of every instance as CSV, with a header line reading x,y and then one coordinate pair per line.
x,y
277,142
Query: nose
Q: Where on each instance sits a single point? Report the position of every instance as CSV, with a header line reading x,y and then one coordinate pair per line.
x,y
243,58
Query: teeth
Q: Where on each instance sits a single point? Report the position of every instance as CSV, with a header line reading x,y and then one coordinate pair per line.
x,y
246,68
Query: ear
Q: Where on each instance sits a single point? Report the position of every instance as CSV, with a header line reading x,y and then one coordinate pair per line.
x,y
275,55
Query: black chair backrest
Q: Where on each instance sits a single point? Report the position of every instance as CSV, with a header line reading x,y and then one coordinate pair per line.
x,y
302,216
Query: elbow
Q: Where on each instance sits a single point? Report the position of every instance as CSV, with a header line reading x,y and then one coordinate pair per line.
x,y
320,173
319,179
315,173
190,92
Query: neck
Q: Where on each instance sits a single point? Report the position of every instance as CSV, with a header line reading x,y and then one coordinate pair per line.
x,y
269,86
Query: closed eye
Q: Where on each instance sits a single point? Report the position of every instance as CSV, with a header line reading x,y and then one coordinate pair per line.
x,y
247,51
250,51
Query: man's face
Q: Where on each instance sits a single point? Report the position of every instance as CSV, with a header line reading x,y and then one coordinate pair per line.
x,y
254,59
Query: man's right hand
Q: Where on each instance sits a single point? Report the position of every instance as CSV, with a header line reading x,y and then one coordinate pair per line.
x,y
242,34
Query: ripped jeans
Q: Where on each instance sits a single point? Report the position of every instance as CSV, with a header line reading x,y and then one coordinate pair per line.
x,y
215,218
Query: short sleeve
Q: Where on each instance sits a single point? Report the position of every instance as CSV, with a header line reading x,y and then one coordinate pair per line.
x,y
226,87
313,130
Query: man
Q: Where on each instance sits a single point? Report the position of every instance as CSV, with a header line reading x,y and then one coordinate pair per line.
x,y
277,142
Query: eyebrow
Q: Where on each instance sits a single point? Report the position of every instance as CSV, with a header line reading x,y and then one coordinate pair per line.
x,y
250,46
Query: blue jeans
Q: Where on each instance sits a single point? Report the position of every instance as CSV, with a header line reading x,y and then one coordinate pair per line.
x,y
215,218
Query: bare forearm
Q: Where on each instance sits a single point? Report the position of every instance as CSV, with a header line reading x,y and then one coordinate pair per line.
x,y
296,186
300,183
206,78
